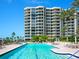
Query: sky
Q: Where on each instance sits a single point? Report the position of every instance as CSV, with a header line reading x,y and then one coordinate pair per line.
x,y
12,13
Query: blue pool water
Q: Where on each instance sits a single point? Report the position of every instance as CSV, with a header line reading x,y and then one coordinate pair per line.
x,y
33,51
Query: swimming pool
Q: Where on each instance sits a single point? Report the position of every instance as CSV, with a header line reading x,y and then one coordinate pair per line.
x,y
33,51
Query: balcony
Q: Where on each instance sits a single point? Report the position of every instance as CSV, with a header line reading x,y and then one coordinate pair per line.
x,y
56,20
56,14
39,13
56,26
39,10
55,23
55,30
56,11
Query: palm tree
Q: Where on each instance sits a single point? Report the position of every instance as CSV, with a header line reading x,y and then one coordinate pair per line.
x,y
13,35
70,14
75,3
35,38
67,15
44,38
64,16
63,31
77,32
18,37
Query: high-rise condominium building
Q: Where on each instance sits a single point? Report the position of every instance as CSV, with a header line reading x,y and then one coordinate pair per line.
x,y
47,21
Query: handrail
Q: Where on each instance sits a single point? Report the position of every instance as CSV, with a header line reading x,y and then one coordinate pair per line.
x,y
66,54
73,54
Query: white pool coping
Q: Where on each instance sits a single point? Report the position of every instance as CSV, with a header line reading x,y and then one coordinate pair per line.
x,y
61,49
8,48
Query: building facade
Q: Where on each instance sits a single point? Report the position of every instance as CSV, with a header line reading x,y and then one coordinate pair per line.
x,y
46,21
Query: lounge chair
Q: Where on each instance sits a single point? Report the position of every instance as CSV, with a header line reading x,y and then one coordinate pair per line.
x,y
72,45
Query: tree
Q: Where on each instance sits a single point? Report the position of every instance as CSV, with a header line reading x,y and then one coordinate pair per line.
x,y
52,39
40,38
64,16
44,38
18,37
13,35
75,3
71,38
63,30
67,15
63,38
7,40
77,33
35,38
70,13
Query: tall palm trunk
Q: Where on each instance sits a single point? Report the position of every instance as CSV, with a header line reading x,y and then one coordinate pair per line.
x,y
67,32
67,29
75,20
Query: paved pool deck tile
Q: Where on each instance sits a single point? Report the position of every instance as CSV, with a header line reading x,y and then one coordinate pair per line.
x,y
7,48
64,50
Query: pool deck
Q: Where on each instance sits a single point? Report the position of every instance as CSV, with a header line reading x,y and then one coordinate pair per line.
x,y
7,48
62,49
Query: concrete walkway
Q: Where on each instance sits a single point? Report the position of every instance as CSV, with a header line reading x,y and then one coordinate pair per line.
x,y
62,49
7,48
